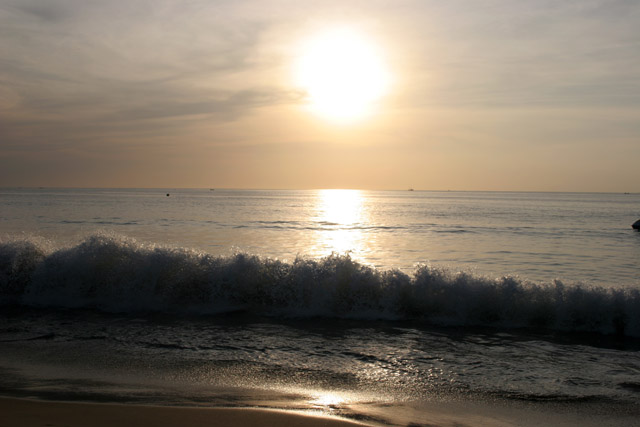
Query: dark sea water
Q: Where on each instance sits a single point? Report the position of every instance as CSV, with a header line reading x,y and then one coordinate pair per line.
x,y
387,307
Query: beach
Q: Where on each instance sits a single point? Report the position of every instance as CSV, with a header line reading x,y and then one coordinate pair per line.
x,y
337,213
38,413
31,413
258,305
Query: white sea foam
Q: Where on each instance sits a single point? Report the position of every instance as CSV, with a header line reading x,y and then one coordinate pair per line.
x,y
117,274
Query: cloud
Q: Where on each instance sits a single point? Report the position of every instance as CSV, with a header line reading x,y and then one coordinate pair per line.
x,y
86,78
525,54
81,71
52,11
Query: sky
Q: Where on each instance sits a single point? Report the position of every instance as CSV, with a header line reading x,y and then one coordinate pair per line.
x,y
498,95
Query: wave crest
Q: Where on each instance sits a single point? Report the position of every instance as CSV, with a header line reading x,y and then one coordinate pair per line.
x,y
118,274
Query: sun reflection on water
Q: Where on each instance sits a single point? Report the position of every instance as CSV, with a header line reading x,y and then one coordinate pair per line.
x,y
327,401
340,207
340,217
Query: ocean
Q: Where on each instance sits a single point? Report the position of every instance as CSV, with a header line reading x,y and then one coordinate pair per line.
x,y
386,307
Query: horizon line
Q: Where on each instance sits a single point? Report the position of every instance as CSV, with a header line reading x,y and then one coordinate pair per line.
x,y
409,189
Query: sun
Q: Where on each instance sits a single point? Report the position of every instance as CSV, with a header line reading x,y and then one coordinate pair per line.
x,y
343,74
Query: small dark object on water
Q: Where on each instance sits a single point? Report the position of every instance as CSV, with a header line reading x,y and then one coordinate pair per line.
x,y
636,225
167,194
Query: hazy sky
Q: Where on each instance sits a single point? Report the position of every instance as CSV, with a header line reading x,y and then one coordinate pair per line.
x,y
481,95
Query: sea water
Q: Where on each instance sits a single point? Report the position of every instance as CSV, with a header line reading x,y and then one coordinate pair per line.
x,y
367,304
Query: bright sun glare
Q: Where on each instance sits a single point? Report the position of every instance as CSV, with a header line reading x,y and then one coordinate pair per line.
x,y
343,74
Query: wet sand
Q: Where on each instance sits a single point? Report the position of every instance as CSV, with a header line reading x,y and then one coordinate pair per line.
x,y
32,413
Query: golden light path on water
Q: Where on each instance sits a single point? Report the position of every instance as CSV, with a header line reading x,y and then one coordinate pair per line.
x,y
341,214
324,400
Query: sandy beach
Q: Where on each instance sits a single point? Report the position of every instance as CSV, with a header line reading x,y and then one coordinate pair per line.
x,y
31,413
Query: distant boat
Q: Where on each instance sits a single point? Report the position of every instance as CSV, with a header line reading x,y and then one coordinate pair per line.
x,y
636,225
411,189
212,189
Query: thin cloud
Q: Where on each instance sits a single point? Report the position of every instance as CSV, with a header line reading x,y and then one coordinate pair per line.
x,y
97,68
86,78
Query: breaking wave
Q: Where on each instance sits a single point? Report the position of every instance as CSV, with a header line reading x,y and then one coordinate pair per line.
x,y
118,274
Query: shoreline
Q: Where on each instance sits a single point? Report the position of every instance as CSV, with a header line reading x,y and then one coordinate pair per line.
x,y
37,413
31,412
